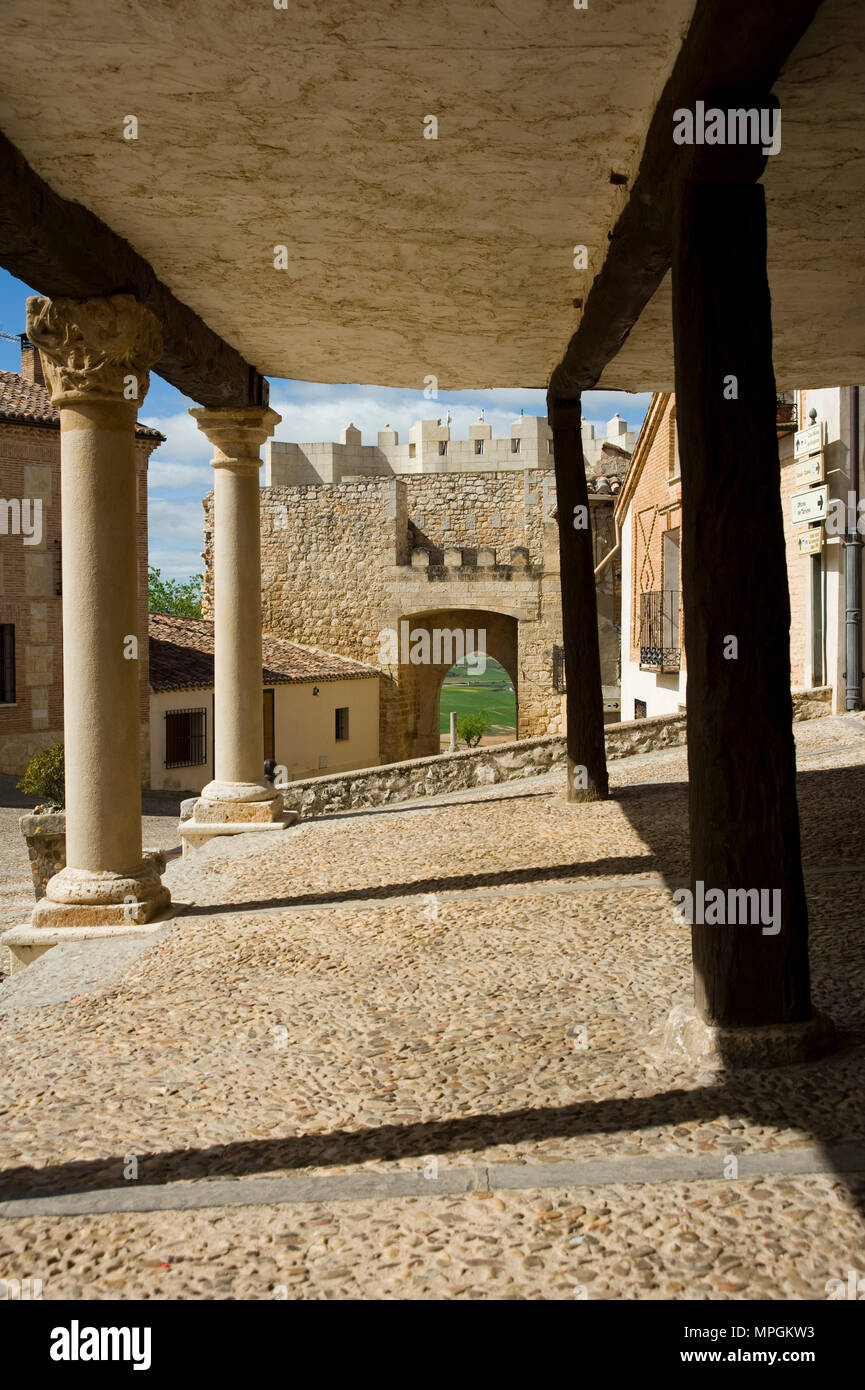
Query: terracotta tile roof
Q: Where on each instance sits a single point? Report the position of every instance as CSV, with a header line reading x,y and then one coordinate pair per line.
x,y
24,402
181,657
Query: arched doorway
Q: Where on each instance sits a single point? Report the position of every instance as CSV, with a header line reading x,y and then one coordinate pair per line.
x,y
432,643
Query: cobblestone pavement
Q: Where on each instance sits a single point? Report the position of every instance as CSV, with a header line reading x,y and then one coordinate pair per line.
x,y
481,979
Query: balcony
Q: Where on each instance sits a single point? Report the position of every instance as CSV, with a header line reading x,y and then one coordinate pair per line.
x,y
660,629
785,416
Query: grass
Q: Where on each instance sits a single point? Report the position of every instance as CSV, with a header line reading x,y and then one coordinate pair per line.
x,y
469,694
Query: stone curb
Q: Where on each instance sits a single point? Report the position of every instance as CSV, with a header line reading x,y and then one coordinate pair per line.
x,y
396,1183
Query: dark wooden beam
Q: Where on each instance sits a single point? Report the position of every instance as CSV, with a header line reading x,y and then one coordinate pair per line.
x,y
729,46
65,251
743,815
584,700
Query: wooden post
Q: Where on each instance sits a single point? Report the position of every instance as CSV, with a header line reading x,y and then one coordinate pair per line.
x,y
587,760
744,821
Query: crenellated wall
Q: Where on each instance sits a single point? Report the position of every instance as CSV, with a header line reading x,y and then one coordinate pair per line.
x,y
344,564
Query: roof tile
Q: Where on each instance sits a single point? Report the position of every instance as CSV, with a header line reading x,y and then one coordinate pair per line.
x,y
24,402
181,657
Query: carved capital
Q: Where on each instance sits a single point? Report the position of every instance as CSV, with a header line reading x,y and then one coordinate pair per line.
x,y
236,432
95,349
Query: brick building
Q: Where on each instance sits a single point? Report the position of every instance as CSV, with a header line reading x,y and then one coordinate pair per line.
x,y
31,694
648,513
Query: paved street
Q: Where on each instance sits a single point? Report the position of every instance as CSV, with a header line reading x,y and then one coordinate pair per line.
x,y
443,994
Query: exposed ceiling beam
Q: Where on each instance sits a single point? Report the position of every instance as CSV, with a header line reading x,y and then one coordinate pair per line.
x,y
740,46
63,250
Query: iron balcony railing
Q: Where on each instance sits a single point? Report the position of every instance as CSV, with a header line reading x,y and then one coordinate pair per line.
x,y
786,415
660,629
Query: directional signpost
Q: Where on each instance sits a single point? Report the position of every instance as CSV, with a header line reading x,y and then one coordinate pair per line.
x,y
809,470
812,542
809,505
807,441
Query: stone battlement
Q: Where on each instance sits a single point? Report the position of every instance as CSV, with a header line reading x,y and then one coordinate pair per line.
x,y
430,449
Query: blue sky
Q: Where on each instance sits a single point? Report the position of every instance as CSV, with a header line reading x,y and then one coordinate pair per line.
x,y
180,474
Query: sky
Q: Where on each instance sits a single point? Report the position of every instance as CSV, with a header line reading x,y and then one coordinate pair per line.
x,y
180,473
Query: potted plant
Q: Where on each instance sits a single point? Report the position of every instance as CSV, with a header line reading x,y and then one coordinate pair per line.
x,y
44,828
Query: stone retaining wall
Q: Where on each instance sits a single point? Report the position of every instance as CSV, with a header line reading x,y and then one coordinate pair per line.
x,y
502,762
45,835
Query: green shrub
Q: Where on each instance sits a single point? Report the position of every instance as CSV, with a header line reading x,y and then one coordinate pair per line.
x,y
472,727
44,776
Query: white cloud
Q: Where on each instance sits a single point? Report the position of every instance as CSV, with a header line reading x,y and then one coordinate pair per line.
x,y
185,442
181,520
176,476
175,564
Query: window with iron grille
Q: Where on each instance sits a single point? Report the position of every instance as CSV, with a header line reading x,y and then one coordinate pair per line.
x,y
342,724
559,670
7,663
185,737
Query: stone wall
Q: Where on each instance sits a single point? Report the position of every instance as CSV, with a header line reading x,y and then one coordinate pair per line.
x,y
503,762
45,836
346,563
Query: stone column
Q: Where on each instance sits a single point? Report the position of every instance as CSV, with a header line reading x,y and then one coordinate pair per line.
x,y
97,354
240,792
587,757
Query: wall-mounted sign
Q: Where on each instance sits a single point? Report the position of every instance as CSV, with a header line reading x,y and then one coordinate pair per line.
x,y
807,441
812,542
810,505
809,470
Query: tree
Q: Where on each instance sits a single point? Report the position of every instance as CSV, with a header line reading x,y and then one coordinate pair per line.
x,y
180,597
472,727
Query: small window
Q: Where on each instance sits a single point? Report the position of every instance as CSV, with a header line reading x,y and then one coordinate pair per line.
x,y
515,446
479,446
185,737
7,663
443,446
559,670
639,709
342,724
412,451
549,446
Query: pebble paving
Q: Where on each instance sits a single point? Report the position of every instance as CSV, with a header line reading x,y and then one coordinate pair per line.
x,y
482,978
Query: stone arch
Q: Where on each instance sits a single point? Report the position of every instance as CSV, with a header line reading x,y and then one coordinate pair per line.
x,y
420,683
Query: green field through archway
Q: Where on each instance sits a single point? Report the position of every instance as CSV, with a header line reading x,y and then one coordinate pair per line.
x,y
490,691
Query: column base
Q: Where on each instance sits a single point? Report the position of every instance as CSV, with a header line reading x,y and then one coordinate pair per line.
x,y
195,833
235,802
85,898
771,1045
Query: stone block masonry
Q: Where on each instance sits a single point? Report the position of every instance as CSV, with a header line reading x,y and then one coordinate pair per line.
x,y
344,563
